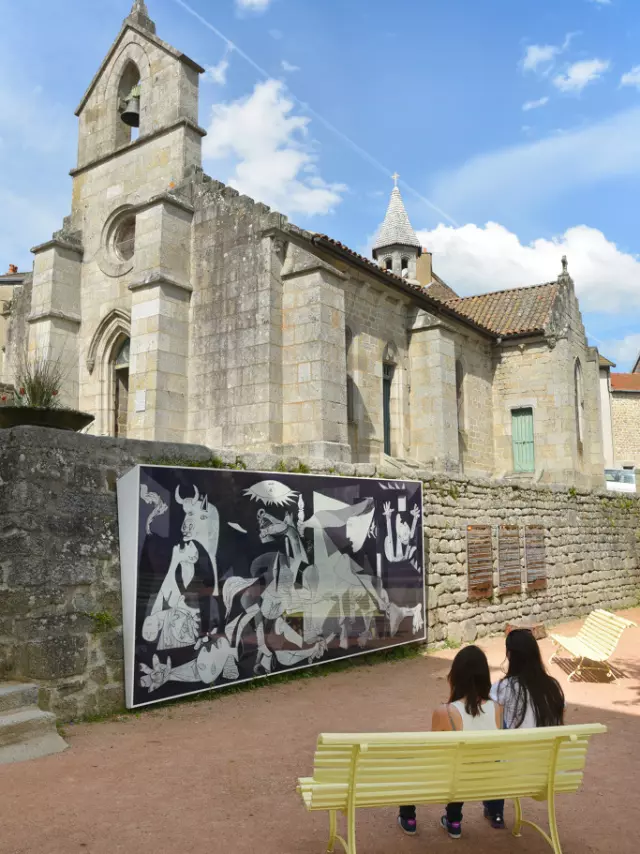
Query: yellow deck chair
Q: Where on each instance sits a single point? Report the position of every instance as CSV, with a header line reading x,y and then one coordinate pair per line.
x,y
596,641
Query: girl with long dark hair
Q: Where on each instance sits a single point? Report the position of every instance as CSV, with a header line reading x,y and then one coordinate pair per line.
x,y
469,708
529,696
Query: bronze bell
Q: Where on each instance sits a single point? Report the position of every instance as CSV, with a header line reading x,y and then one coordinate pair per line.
x,y
130,115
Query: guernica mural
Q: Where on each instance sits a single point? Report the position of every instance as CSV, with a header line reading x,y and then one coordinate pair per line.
x,y
233,575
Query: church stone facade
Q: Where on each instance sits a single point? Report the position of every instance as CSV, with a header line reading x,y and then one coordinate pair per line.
x,y
187,312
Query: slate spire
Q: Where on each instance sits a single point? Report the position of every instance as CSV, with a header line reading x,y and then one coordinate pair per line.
x,y
396,229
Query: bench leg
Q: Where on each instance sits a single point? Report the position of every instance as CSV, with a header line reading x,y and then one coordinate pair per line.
x,y
553,825
517,827
577,671
333,829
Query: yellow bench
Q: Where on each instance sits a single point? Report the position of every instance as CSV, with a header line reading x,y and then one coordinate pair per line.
x,y
596,641
390,769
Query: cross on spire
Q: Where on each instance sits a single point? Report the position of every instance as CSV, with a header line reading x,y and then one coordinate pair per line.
x,y
395,177
139,6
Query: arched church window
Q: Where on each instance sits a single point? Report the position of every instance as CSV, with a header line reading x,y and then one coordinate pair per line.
x,y
388,371
388,264
121,386
579,403
348,346
460,394
404,268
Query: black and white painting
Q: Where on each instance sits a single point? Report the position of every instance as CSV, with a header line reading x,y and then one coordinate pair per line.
x,y
233,575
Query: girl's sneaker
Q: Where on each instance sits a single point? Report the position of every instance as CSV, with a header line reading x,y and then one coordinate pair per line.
x,y
496,821
408,825
453,828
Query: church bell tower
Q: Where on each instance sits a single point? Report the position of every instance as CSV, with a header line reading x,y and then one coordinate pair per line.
x,y
396,247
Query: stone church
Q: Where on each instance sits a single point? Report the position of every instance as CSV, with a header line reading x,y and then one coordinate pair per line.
x,y
187,312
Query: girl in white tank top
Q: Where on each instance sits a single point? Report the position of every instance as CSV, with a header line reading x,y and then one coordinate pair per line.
x,y
487,719
469,708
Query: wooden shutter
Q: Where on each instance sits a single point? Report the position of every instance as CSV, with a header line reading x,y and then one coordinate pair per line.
x,y
509,566
534,556
479,561
522,436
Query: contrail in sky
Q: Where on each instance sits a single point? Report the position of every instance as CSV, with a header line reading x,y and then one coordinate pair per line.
x,y
303,105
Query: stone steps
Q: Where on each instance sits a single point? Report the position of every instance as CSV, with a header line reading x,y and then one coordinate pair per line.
x,y
26,732
16,695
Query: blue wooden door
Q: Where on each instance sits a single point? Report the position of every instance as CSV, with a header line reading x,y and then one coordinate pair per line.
x,y
522,435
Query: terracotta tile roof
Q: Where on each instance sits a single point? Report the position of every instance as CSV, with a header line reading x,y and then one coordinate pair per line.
x,y
625,382
501,313
441,290
512,312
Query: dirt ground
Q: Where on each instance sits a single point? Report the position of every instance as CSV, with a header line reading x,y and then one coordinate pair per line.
x,y
219,776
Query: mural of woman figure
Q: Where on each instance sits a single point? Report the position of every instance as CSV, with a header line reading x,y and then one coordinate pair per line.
x,y
402,549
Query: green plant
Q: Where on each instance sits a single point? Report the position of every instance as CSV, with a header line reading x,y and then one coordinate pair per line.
x,y
103,621
38,382
572,491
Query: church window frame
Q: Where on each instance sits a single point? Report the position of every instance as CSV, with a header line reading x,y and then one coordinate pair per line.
x,y
124,237
388,264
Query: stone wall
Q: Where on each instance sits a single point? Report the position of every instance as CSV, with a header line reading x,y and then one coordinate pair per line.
x,y
60,607
625,410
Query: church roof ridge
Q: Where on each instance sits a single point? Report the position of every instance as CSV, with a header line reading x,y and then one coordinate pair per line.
x,y
506,291
396,229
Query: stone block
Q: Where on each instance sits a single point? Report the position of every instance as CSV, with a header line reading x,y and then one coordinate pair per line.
x,y
55,658
469,631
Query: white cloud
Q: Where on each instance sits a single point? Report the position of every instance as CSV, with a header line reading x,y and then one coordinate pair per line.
x,y
218,73
533,105
539,58
631,78
622,351
580,74
288,67
269,152
475,259
601,2
532,173
536,56
254,5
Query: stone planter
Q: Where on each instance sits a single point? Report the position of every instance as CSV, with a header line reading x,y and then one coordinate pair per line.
x,y
31,416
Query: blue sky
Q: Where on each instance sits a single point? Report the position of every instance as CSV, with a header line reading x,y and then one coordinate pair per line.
x,y
515,127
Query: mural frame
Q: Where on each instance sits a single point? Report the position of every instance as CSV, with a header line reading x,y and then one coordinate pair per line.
x,y
383,584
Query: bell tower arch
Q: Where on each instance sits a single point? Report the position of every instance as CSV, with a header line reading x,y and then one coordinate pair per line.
x,y
125,87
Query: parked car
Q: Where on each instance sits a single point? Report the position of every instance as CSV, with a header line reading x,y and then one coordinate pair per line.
x,y
620,480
